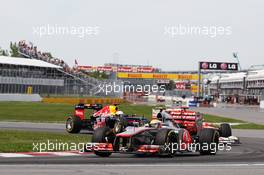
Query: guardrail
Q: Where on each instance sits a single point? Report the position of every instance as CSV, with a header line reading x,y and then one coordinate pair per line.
x,y
82,100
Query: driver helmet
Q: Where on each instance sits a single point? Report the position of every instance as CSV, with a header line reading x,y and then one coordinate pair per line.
x,y
119,113
155,123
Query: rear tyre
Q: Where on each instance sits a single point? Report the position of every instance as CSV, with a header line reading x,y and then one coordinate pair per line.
x,y
166,138
208,139
225,130
103,135
73,124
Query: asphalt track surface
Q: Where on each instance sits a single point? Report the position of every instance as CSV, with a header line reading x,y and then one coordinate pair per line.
x,y
244,159
250,151
28,126
251,114
60,128
127,169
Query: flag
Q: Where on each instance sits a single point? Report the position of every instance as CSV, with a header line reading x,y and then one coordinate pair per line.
x,y
76,63
235,55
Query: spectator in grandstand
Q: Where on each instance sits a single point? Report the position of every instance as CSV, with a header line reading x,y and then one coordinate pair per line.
x,y
30,51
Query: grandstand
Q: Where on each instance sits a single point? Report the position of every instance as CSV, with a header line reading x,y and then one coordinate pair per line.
x,y
76,82
39,72
22,75
242,87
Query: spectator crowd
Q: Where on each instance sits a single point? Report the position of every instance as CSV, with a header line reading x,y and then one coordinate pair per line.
x,y
30,51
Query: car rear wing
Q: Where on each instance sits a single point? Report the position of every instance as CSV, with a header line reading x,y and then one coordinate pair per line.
x,y
178,114
89,106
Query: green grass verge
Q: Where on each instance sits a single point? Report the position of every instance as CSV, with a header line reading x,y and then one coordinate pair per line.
x,y
34,112
248,126
44,112
22,141
218,119
140,110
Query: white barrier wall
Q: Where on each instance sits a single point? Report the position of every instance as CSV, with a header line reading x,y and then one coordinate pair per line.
x,y
20,97
31,81
262,104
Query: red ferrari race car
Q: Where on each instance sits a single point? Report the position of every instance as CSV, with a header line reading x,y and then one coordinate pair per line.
x,y
102,116
194,123
165,138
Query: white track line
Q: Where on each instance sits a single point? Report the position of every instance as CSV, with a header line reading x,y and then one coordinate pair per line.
x,y
41,154
177,165
156,165
14,155
64,154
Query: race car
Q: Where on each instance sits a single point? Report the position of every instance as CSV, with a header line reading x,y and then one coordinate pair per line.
x,y
102,116
194,123
77,122
165,138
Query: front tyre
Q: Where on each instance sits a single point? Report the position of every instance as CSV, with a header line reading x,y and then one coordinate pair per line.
x,y
208,140
225,130
103,135
166,138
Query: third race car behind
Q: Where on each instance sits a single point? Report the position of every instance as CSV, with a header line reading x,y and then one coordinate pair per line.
x,y
194,123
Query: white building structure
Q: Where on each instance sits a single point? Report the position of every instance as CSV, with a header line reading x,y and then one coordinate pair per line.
x,y
242,87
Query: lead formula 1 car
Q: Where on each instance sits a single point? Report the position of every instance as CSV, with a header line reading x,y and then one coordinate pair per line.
x,y
165,138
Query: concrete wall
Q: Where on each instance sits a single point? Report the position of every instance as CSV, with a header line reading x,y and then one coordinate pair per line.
x,y
20,97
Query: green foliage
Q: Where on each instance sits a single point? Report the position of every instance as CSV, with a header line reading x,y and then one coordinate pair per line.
x,y
170,86
98,75
3,52
14,50
49,54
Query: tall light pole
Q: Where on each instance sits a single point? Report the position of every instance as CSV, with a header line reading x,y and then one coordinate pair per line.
x,y
199,80
235,55
115,61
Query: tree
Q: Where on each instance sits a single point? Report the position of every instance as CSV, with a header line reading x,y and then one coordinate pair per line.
x,y
170,85
3,52
14,50
49,54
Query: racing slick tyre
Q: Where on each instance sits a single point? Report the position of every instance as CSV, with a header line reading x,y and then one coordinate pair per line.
x,y
208,140
166,138
73,124
103,135
225,130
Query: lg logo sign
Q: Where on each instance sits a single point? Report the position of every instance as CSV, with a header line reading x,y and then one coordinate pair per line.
x,y
232,66
218,66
